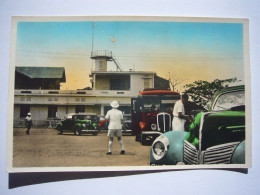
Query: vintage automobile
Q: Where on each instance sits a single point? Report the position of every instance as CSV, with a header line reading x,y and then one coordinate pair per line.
x,y
127,124
79,123
126,127
103,123
152,114
214,137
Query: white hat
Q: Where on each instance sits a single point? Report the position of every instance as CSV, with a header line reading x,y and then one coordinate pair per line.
x,y
114,104
29,113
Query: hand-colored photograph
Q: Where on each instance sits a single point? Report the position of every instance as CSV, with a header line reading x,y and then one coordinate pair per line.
x,y
129,93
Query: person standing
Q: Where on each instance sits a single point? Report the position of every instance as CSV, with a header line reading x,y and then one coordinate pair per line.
x,y
115,118
28,123
179,116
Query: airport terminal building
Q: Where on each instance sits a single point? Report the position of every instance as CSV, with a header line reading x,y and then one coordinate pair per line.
x,y
37,90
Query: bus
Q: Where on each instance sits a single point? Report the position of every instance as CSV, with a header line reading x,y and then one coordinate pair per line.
x,y
151,114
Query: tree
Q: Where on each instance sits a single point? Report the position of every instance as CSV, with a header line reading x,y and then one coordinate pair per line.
x,y
174,80
201,92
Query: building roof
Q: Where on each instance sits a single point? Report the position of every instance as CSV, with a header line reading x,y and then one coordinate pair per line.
x,y
122,72
43,72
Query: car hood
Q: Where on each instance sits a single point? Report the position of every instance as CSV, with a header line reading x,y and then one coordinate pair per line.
x,y
217,128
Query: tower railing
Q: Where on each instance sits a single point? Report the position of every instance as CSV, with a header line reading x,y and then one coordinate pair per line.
x,y
101,53
108,55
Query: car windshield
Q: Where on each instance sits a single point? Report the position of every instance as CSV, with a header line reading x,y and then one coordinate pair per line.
x,y
69,117
230,100
87,117
152,105
158,105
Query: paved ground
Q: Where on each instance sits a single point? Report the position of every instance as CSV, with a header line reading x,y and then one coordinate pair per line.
x,y
45,148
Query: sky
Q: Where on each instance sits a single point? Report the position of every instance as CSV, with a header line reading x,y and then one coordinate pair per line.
x,y
189,50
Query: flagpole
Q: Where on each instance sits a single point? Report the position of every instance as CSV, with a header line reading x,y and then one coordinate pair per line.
x,y
92,48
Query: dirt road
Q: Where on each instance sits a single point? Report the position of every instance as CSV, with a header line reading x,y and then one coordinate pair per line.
x,y
45,148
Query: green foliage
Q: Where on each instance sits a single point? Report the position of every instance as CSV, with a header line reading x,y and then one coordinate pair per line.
x,y
201,92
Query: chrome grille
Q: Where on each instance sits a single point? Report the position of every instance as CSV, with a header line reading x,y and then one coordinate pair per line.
x,y
220,154
164,122
191,154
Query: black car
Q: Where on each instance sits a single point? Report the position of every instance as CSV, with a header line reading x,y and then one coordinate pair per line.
x,y
79,123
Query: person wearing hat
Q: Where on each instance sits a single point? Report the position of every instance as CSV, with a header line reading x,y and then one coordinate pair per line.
x,y
115,118
28,122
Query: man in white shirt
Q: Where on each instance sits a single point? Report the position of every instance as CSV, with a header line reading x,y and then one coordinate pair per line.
x,y
115,118
28,122
179,116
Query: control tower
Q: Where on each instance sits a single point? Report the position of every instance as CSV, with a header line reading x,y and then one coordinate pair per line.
x,y
101,58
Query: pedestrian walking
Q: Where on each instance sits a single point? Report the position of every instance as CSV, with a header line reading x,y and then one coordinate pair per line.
x,y
179,117
115,118
28,123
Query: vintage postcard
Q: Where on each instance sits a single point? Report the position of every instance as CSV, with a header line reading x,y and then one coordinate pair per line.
x,y
128,93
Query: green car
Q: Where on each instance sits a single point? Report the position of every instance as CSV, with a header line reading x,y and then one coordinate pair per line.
x,y
79,123
214,137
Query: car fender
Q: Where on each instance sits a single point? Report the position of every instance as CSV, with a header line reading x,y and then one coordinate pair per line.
x,y
175,150
77,126
238,156
59,126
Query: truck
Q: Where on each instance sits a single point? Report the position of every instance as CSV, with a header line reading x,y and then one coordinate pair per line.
x,y
151,113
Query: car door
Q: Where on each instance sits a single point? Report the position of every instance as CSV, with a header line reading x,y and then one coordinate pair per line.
x,y
69,123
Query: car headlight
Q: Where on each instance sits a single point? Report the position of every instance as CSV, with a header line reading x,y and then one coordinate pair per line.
x,y
160,147
142,125
153,126
83,125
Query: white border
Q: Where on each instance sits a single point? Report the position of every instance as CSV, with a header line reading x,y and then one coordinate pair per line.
x,y
17,19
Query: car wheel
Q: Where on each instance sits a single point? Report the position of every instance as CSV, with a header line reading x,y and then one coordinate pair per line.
x,y
78,132
137,138
143,140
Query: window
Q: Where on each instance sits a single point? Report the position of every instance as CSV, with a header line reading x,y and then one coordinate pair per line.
x,y
230,100
147,83
52,111
101,64
80,108
28,99
120,82
151,105
24,110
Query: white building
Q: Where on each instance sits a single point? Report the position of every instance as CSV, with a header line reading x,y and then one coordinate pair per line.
x,y
49,104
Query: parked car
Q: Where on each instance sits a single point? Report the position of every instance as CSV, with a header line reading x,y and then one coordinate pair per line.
x,y
103,123
127,124
214,137
79,123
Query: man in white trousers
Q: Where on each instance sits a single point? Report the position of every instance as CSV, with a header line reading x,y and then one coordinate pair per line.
x,y
179,116
115,118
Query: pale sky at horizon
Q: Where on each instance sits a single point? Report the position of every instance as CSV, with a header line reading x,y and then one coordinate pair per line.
x,y
193,51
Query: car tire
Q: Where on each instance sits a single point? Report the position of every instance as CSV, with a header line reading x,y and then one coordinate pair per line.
x,y
78,132
143,140
60,132
59,129
137,138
